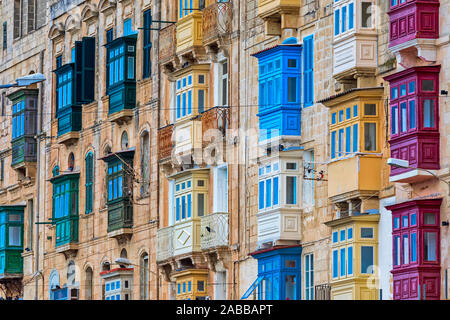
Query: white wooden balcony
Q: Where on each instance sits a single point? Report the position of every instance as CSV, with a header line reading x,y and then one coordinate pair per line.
x,y
164,244
214,231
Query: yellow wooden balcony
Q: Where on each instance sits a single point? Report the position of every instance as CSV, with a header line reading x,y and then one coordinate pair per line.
x,y
191,284
353,176
189,34
354,257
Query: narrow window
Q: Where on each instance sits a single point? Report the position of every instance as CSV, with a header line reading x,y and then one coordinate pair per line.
x,y
413,247
349,260
342,273
292,89
200,204
428,113
335,263
355,138
403,117
291,190
370,136
429,239
366,259
412,114
405,249
366,14
333,144
370,109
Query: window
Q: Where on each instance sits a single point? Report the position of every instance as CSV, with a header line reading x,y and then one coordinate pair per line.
x,y
412,114
427,85
18,121
370,109
5,36
145,163
291,190
366,259
115,181
366,14
348,113
308,176
200,204
429,219
308,71
89,182
64,89
144,270
405,249
292,90
109,35
355,110
333,118
370,136
335,263
396,250
342,235
342,264
200,286
355,137
429,248
428,113
394,122
333,144
223,84
350,233
413,247
367,233
349,260
127,29
335,237
147,45
341,142
17,19
309,276
290,284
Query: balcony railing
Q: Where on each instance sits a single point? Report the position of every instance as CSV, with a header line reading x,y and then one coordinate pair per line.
x,y
164,244
165,141
216,21
214,231
217,118
167,43
322,292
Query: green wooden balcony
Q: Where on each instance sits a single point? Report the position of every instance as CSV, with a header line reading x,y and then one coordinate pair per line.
x,y
11,241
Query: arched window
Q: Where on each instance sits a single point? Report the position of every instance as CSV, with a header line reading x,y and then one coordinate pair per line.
x,y
145,163
144,276
71,162
88,284
89,182
124,141
55,171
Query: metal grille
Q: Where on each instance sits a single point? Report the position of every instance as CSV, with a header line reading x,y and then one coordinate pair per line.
x,y
214,231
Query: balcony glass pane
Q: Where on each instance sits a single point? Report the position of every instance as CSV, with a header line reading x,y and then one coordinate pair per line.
x,y
370,136
366,14
428,113
367,259
405,249
412,114
15,238
427,85
291,287
429,219
370,109
429,246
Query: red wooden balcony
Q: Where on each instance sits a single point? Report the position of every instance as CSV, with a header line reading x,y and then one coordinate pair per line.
x,y
165,144
216,22
413,20
414,120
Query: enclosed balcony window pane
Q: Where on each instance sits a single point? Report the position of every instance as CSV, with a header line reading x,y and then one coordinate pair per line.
x,y
412,87
429,246
348,113
396,250
201,286
414,247
335,237
292,89
370,109
130,67
405,249
342,264
15,236
201,79
275,191
291,190
367,233
292,63
394,122
350,233
291,166
427,85
2,235
413,219
268,193
333,118
261,195
289,263
429,219
341,115
366,259
366,14
201,101
355,110
394,93
291,287
370,136
403,90
342,235
405,221
200,204
403,117
335,264
428,113
412,114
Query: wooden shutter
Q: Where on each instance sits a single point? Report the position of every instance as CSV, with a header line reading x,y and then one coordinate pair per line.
x,y
88,69
147,66
308,94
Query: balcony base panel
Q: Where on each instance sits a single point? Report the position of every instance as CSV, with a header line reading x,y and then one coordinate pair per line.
x,y
69,138
413,176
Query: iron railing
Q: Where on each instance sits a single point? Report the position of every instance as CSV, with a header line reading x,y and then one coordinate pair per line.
x,y
214,231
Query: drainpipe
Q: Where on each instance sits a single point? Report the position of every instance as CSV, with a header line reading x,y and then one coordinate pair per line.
x,y
38,135
158,10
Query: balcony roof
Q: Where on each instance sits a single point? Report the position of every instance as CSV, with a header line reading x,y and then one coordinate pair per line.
x,y
128,154
277,47
365,217
351,94
270,251
65,174
434,202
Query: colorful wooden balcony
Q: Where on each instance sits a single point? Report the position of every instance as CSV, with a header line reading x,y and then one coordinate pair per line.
x,y
414,26
354,40
189,36
191,284
168,46
354,257
278,14
11,241
165,143
216,22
